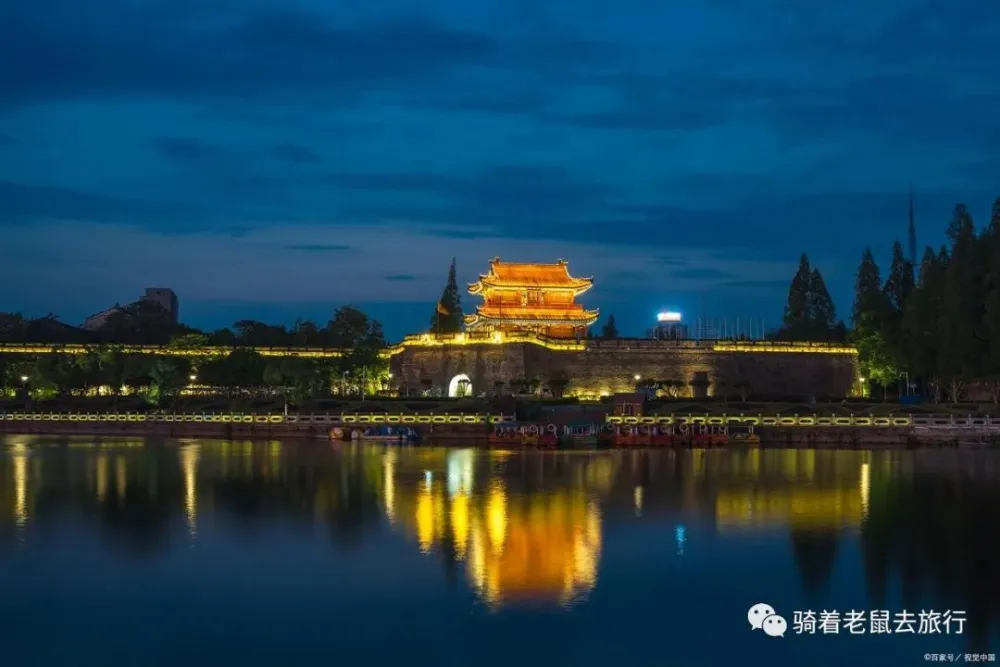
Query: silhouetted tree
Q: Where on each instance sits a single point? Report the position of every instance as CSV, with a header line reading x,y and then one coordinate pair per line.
x,y
610,329
447,318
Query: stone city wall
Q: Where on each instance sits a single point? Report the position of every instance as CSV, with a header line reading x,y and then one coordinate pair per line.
x,y
606,367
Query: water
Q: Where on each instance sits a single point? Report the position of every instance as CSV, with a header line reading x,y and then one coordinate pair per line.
x,y
165,553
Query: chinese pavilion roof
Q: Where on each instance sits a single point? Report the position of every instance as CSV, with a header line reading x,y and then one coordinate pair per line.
x,y
538,276
531,316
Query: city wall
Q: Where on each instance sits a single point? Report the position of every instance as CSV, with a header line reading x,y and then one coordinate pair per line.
x,y
599,367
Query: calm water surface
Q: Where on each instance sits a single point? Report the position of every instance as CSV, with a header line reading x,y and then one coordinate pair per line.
x,y
143,552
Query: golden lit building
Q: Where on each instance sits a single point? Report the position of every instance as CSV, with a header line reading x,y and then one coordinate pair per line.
x,y
537,298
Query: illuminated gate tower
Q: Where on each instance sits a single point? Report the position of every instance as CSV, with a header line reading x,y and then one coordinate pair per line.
x,y
536,298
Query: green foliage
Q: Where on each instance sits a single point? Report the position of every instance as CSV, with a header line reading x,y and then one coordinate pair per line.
x,y
870,313
107,369
942,331
447,317
809,310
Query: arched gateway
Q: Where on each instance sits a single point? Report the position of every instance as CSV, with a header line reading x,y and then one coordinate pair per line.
x,y
460,385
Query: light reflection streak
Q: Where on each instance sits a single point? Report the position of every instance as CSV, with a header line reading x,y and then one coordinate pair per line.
x,y
121,477
389,484
190,455
102,476
865,488
20,459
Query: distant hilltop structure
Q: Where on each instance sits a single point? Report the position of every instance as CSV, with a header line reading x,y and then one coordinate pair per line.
x,y
163,296
167,299
531,298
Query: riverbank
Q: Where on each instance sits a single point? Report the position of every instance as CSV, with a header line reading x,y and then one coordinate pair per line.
x,y
896,432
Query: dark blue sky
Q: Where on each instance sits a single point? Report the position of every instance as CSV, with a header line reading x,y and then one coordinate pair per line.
x,y
272,158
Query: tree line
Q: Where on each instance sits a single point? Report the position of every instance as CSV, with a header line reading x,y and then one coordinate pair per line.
x,y
933,328
106,366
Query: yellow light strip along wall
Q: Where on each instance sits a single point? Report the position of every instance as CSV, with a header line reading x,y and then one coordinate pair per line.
x,y
429,340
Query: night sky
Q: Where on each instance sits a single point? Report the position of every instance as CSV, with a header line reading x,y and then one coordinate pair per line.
x,y
277,158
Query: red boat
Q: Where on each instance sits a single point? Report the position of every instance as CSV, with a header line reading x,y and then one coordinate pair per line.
x,y
528,435
665,436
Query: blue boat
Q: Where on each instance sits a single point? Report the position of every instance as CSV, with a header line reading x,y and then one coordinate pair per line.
x,y
390,435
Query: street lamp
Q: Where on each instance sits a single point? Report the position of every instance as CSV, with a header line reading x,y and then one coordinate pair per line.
x,y
24,385
192,378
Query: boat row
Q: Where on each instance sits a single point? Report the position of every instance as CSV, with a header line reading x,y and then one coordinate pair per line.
x,y
532,435
514,435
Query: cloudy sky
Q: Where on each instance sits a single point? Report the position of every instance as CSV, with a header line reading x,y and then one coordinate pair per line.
x,y
276,158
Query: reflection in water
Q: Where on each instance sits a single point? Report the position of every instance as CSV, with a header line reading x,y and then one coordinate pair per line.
x,y
519,546
530,527
19,454
189,466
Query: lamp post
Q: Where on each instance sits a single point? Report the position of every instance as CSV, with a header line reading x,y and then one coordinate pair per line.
x,y
24,383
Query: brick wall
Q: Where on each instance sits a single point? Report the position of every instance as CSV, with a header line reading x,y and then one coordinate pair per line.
x,y
611,366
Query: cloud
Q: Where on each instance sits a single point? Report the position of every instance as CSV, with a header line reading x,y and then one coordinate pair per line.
x,y
293,153
127,48
317,247
401,277
21,203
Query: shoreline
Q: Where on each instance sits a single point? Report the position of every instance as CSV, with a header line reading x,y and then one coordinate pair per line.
x,y
464,435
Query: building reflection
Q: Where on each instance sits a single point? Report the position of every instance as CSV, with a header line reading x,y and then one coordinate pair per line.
x,y
529,527
516,544
784,488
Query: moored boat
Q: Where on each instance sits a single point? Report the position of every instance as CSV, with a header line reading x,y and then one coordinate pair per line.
x,y
641,435
390,435
523,435
743,434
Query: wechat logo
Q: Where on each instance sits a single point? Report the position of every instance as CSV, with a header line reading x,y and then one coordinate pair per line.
x,y
763,617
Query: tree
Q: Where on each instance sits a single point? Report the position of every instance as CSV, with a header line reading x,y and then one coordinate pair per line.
x,y
870,310
991,290
809,311
922,319
364,365
447,317
962,346
822,316
610,329
896,292
796,321
168,375
558,382
143,322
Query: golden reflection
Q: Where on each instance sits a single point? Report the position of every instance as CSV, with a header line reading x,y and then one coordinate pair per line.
x,y
637,500
102,476
19,454
460,524
794,498
865,487
121,478
425,517
550,552
189,465
542,547
389,484
496,515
